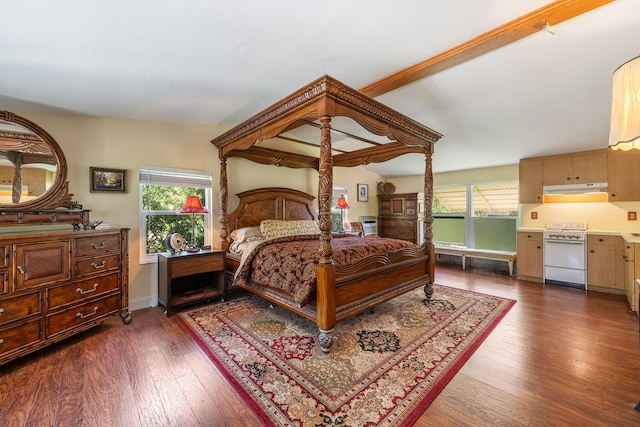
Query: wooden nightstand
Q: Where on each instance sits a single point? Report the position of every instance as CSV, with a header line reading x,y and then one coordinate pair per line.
x,y
190,277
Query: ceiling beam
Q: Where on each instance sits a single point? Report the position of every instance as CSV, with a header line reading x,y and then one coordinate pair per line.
x,y
553,13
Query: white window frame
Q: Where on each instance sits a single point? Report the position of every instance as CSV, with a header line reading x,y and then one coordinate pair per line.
x,y
177,178
469,214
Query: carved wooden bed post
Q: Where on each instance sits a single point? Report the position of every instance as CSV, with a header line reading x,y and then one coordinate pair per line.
x,y
326,271
224,199
428,219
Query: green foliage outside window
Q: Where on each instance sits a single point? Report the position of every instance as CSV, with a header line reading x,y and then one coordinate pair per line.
x,y
161,203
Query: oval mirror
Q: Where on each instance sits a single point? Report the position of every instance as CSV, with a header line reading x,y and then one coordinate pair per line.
x,y
33,169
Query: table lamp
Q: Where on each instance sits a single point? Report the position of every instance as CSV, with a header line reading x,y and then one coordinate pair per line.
x,y
342,205
193,206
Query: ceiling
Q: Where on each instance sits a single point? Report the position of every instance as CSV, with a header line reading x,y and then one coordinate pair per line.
x,y
221,62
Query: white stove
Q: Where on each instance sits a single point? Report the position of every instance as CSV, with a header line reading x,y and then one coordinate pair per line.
x,y
565,231
565,254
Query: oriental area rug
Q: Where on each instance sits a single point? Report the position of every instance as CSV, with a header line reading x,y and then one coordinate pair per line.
x,y
384,369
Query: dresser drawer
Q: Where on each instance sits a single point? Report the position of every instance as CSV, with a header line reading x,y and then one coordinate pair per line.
x,y
96,245
398,223
8,218
400,233
20,336
79,291
95,265
85,313
19,307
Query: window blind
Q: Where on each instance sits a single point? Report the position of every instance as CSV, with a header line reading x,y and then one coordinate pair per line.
x,y
152,175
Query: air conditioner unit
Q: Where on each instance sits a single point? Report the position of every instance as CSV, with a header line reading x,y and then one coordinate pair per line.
x,y
369,224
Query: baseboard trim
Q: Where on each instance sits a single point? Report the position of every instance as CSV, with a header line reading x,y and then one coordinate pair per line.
x,y
142,303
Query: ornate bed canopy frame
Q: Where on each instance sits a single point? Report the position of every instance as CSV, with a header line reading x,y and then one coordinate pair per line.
x,y
317,104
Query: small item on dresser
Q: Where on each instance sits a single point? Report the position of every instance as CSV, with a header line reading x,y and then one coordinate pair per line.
x,y
386,188
174,242
92,225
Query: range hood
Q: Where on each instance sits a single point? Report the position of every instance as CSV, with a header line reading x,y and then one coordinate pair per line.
x,y
597,187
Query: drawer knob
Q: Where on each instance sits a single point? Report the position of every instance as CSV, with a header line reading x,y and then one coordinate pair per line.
x,y
98,266
1,341
88,291
1,310
84,316
102,245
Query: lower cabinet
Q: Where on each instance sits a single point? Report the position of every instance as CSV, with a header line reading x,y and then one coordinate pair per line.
x,y
630,274
530,260
605,267
55,284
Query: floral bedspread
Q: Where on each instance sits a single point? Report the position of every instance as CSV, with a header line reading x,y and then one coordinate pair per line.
x,y
289,263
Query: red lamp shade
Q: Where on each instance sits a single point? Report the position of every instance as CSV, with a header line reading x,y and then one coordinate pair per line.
x,y
193,205
342,203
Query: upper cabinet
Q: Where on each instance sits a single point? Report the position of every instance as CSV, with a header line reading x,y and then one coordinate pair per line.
x,y
624,176
619,169
530,181
576,168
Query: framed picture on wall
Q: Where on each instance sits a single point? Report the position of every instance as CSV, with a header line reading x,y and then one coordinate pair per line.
x,y
363,193
108,180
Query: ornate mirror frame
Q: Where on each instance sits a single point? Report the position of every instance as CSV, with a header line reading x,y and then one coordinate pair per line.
x,y
57,195
45,208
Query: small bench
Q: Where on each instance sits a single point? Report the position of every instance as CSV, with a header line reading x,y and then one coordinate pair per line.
x,y
464,252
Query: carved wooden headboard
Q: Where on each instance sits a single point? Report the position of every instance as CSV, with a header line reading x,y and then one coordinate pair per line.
x,y
271,203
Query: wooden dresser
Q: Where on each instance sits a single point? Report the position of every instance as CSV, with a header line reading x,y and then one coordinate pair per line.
x,y
398,216
54,284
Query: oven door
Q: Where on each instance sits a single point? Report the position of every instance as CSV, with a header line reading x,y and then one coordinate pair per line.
x,y
565,261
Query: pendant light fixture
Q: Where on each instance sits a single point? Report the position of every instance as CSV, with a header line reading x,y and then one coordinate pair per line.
x,y
624,131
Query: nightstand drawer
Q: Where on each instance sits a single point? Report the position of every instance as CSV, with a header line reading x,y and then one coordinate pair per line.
x,y
189,265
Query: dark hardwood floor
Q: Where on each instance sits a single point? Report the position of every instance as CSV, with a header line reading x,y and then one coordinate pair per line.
x,y
561,356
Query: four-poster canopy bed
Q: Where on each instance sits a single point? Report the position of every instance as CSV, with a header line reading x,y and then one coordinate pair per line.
x,y
342,288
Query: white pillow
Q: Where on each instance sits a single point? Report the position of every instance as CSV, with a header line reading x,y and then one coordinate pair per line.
x,y
246,234
272,228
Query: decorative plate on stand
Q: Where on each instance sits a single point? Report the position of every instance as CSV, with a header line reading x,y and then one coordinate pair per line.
x,y
174,243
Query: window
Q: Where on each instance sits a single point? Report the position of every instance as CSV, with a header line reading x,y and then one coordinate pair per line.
x,y
492,223
336,215
495,199
162,193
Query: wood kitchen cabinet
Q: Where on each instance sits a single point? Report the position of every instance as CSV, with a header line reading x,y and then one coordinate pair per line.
x,y
605,266
630,274
575,168
529,248
624,176
530,181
